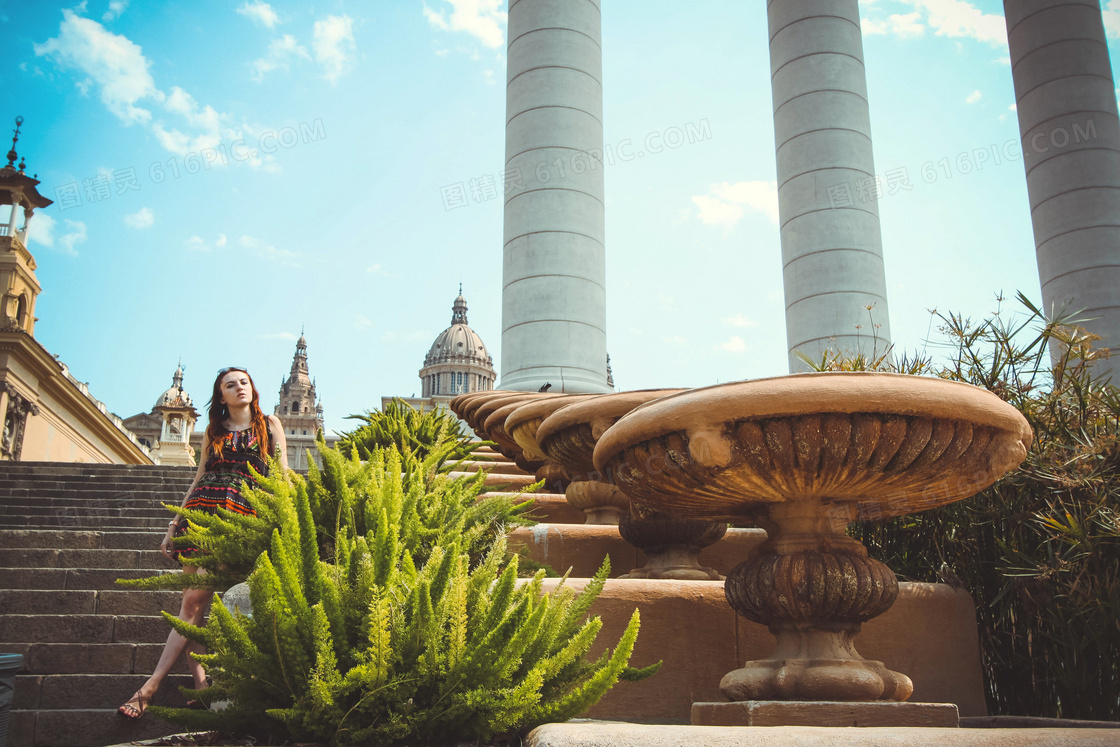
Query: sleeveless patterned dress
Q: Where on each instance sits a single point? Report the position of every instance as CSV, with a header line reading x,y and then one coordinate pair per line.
x,y
224,478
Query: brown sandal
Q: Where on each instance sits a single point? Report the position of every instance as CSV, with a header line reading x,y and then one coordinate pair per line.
x,y
135,707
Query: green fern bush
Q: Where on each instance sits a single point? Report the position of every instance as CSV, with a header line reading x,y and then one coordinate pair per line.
x,y
386,608
373,647
402,426
1039,550
346,497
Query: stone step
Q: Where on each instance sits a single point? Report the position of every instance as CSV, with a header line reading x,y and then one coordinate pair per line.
x,y
114,499
583,547
85,628
66,520
497,480
89,601
96,579
93,482
90,658
104,511
80,539
79,691
41,557
73,468
494,466
91,727
551,508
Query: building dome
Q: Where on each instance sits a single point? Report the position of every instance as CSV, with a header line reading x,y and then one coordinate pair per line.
x,y
176,396
457,361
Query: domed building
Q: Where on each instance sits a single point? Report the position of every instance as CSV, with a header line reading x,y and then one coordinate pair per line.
x,y
457,362
166,431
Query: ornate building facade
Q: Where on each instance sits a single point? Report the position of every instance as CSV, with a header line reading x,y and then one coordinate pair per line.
x,y
168,429
47,414
457,362
299,409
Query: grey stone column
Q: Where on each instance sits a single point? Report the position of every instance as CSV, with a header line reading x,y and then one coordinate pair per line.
x,y
1070,133
832,249
554,269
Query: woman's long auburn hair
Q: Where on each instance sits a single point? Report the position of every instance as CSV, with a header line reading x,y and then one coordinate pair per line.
x,y
218,413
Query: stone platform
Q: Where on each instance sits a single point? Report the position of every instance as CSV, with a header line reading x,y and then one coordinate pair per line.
x,y
824,713
929,634
613,734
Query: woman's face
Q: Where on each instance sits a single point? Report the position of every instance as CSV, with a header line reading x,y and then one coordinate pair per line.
x,y
237,389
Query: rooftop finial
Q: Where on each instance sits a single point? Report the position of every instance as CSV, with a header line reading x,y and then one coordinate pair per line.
x,y
15,138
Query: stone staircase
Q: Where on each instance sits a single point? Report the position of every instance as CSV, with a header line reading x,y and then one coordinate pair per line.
x,y
67,532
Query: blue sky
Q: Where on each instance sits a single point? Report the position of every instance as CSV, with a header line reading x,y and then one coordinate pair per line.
x,y
226,173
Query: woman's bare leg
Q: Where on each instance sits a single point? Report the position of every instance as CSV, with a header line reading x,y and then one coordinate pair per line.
x,y
193,608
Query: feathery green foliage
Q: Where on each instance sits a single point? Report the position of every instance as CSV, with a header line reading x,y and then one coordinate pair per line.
x,y
1039,550
416,627
400,425
385,607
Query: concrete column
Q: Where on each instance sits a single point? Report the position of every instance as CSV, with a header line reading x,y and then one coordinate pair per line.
x,y
1066,102
832,249
554,275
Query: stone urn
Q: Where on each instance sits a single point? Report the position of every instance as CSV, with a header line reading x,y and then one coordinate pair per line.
x,y
671,544
522,425
802,456
477,416
495,428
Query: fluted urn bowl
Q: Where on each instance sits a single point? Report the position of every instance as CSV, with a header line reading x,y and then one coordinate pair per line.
x,y
802,456
671,545
522,425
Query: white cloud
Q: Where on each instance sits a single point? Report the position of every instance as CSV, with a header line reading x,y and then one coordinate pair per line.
x,y
482,19
952,18
725,204
903,25
362,322
1111,14
112,60
221,241
740,320
197,244
973,97
142,218
667,302
268,252
959,19
42,229
118,66
260,13
334,46
734,344
45,231
116,7
279,52
675,340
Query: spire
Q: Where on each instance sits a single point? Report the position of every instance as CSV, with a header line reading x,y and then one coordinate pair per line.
x,y
177,378
459,309
15,138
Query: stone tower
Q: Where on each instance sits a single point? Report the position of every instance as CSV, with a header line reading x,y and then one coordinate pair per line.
x,y
177,418
554,268
1065,99
299,410
18,285
832,249
457,362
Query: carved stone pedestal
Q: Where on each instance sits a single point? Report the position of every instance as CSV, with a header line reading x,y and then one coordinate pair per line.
x,y
672,545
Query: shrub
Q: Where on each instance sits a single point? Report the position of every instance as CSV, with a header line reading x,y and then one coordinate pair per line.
x,y
1040,549
399,425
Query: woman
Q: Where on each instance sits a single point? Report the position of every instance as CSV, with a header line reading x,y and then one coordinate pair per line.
x,y
238,436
